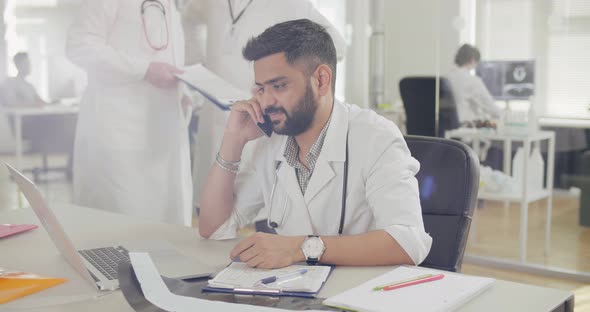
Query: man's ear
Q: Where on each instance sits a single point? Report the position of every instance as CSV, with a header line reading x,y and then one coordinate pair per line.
x,y
323,75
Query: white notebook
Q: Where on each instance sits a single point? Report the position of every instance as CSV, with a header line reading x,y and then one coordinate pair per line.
x,y
218,91
445,294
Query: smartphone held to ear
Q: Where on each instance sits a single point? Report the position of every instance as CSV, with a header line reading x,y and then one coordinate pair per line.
x,y
266,127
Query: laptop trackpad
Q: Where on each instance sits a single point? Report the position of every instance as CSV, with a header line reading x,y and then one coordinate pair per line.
x,y
169,260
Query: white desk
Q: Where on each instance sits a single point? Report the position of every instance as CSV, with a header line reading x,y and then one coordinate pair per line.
x,y
525,196
34,252
564,122
19,113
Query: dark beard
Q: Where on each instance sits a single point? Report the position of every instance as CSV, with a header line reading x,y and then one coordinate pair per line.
x,y
300,119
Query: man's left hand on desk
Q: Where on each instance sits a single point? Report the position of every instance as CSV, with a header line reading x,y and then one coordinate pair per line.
x,y
269,251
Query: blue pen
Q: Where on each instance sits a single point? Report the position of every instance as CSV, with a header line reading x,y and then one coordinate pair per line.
x,y
283,277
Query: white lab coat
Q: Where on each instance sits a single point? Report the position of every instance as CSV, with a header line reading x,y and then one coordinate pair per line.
x,y
382,188
472,98
224,57
131,151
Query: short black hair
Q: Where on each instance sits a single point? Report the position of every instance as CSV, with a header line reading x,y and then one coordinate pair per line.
x,y
466,54
19,57
299,39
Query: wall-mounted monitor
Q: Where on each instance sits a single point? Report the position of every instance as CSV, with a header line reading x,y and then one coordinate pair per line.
x,y
508,80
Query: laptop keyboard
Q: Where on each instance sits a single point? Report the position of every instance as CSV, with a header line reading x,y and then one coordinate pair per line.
x,y
106,259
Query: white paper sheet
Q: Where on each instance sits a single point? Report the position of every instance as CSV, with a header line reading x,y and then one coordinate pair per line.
x,y
217,90
156,292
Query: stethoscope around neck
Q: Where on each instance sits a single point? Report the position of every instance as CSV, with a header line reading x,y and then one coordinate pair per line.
x,y
273,224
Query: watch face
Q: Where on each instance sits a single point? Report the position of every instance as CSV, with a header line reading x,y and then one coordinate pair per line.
x,y
313,247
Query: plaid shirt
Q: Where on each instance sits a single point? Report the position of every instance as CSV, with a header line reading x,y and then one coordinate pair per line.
x,y
292,156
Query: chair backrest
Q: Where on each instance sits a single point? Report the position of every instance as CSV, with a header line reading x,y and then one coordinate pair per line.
x,y
419,98
448,180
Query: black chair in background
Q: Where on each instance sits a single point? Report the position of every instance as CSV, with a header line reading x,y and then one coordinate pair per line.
x,y
419,98
448,180
581,180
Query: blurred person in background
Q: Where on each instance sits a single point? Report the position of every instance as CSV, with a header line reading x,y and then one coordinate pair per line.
x,y
131,150
473,100
17,91
230,24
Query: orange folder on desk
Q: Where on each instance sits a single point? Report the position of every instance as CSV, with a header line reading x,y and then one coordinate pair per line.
x,y
14,285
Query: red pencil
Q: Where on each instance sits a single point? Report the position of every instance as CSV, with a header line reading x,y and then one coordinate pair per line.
x,y
420,281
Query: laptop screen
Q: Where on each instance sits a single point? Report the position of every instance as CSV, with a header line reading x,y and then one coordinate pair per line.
x,y
50,223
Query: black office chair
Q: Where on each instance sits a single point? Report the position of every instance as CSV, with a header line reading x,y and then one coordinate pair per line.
x,y
419,98
448,180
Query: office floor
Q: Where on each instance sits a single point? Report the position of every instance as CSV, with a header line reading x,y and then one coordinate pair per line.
x,y
495,233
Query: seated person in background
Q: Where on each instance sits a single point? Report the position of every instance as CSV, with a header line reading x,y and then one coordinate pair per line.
x,y
338,181
472,98
17,91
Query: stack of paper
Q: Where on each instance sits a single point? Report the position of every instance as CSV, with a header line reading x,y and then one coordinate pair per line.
x,y
445,294
239,275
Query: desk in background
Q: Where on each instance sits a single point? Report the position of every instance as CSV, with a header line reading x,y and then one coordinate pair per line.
x,y
525,196
20,113
34,252
563,122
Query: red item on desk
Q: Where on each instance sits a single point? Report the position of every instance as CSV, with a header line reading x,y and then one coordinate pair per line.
x,y
420,281
11,229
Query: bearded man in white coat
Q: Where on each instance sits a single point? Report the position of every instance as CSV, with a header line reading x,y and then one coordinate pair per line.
x,y
131,151
230,24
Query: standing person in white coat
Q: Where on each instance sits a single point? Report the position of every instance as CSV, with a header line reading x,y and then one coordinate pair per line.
x,y
230,24
131,150
339,181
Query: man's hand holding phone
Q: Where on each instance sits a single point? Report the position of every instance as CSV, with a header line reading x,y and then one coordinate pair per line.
x,y
243,119
241,127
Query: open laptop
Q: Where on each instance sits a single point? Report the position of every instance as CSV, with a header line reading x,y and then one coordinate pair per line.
x,y
99,265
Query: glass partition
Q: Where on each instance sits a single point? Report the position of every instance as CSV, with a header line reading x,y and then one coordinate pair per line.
x,y
533,63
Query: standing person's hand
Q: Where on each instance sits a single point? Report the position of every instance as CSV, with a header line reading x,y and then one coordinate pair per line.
x,y
161,75
186,102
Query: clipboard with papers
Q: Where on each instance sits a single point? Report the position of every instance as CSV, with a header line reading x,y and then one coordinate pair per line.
x,y
238,278
220,92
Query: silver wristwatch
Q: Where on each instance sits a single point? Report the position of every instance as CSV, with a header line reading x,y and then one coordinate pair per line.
x,y
313,248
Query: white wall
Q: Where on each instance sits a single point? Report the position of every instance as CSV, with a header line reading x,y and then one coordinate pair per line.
x,y
420,39
505,29
556,34
6,138
357,55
